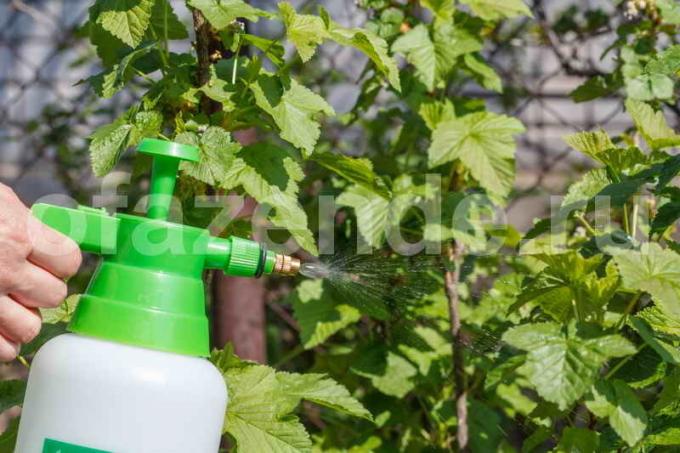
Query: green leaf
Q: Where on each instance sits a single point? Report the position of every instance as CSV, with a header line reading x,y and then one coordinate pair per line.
x,y
592,144
321,390
670,393
165,23
498,9
648,87
596,87
579,193
433,112
305,31
569,286
661,322
217,154
353,169
272,49
371,45
8,439
563,365
667,352
221,13
261,402
62,313
376,214
617,402
293,108
319,314
109,141
11,393
388,371
485,145
578,440
127,20
485,75
652,125
252,417
670,11
270,174
434,57
442,10
109,82
655,271
665,216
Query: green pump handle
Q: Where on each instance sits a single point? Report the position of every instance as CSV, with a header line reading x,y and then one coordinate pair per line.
x,y
152,294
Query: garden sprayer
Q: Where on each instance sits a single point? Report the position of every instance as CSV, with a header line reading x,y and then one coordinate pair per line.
x,y
132,376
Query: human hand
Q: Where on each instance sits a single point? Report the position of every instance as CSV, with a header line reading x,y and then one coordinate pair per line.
x,y
34,261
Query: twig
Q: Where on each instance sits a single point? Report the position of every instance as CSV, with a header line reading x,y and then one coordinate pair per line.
x,y
454,255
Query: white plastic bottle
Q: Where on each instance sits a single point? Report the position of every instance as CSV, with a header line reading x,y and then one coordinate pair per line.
x,y
89,395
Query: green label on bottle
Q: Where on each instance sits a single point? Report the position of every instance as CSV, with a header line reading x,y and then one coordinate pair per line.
x,y
54,446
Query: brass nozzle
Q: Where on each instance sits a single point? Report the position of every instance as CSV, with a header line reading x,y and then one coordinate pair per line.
x,y
286,265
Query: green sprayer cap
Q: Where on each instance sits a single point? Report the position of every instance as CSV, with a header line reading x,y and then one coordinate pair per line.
x,y
148,289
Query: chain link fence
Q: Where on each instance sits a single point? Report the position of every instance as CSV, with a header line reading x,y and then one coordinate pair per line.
x,y
46,116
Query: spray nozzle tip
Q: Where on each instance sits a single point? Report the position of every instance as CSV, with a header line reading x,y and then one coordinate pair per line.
x,y
286,265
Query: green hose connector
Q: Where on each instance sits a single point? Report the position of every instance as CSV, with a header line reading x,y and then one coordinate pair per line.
x,y
148,289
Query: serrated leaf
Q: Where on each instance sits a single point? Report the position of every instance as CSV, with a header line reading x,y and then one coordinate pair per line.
x,y
388,371
371,45
62,313
667,352
661,322
127,20
270,174
648,87
293,108
498,9
670,393
252,418
617,402
484,142
319,314
560,365
376,214
485,75
579,193
321,390
109,82
652,125
434,112
434,56
272,49
165,23
261,404
217,153
305,31
442,10
653,270
108,142
353,169
596,87
592,144
221,13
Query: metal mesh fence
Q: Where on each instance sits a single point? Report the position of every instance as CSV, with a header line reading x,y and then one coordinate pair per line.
x,y
45,116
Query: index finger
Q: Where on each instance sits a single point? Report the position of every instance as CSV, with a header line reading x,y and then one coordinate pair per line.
x,y
56,253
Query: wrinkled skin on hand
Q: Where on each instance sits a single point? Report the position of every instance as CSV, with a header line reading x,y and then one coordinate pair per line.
x,y
34,261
